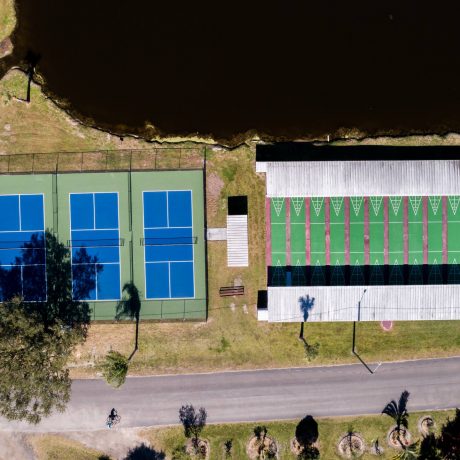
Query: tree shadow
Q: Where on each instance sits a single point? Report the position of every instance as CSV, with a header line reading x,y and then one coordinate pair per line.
x,y
306,304
40,272
129,307
31,59
306,431
144,452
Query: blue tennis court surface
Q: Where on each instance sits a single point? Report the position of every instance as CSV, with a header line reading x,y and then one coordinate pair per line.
x,y
168,240
95,241
22,247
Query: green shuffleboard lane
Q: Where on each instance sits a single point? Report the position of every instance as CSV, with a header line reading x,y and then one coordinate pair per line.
x,y
434,230
395,230
453,229
376,230
415,215
298,232
357,231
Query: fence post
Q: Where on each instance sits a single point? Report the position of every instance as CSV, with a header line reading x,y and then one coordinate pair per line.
x,y
33,162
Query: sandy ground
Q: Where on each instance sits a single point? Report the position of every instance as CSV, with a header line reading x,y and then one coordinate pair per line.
x,y
15,446
115,442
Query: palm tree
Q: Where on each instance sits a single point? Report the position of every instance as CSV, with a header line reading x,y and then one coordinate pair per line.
x,y
398,412
130,306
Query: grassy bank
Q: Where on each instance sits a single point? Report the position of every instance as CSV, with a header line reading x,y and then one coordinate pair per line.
x,y
7,18
171,439
330,431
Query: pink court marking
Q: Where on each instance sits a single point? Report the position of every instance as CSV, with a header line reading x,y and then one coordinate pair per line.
x,y
287,203
445,235
347,229
406,229
366,230
386,232
327,221
307,232
425,229
268,233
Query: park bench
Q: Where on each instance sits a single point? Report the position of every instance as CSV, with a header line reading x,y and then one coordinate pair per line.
x,y
231,290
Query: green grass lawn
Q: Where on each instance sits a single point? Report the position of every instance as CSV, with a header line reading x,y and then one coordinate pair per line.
x,y
330,431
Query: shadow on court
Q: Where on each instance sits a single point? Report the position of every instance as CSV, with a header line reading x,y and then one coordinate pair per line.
x,y
40,272
363,275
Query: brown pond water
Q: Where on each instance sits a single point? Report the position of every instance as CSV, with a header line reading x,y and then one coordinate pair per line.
x,y
286,69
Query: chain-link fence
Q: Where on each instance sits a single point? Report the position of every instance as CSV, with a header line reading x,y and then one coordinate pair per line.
x,y
103,160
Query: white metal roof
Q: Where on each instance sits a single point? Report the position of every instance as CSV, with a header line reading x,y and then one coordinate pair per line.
x,y
359,178
340,303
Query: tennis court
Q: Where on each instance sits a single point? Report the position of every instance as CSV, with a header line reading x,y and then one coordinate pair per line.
x,y
357,240
22,247
169,244
95,243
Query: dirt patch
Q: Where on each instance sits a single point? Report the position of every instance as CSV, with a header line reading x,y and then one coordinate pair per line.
x,y
202,451
115,443
262,448
15,446
6,47
214,186
397,442
426,425
351,445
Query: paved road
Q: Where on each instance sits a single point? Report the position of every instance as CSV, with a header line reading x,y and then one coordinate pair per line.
x,y
259,395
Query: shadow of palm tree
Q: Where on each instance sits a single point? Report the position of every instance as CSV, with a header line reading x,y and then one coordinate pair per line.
x,y
306,304
31,60
144,452
129,307
397,410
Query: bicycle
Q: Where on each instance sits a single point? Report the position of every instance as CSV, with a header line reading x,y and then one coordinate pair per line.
x,y
112,419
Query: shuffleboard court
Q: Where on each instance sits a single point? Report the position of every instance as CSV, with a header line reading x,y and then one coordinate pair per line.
x,y
95,243
317,240
357,240
376,230
298,241
453,231
395,231
22,247
435,230
278,235
168,241
415,219
337,240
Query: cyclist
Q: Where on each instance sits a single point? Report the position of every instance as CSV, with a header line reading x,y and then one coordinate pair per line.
x,y
112,418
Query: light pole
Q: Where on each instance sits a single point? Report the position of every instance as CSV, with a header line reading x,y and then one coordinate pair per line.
x,y
353,350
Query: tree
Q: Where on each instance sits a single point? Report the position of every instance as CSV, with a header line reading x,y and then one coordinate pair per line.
x,y
37,338
449,440
193,422
429,448
114,368
130,306
398,412
34,378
